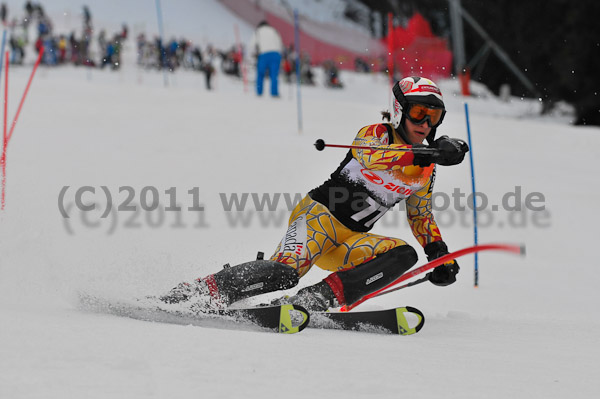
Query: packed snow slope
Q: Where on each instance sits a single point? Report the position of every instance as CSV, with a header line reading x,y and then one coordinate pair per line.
x,y
529,330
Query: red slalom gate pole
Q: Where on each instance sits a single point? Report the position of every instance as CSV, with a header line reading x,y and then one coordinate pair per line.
x,y
14,122
8,135
5,136
6,97
241,57
518,249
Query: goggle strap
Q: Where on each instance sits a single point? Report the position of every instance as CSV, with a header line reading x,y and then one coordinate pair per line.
x,y
399,95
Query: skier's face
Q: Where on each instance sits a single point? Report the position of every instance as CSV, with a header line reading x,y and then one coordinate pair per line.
x,y
416,134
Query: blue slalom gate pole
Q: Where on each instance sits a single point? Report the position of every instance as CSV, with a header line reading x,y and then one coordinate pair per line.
x,y
297,46
475,235
2,51
162,44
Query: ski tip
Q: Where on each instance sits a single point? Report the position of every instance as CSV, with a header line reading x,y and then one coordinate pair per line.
x,y
403,327
289,318
305,315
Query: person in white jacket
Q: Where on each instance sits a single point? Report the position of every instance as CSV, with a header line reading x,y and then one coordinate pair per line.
x,y
266,44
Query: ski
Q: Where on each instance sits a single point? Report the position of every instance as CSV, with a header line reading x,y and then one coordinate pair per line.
x,y
404,321
286,318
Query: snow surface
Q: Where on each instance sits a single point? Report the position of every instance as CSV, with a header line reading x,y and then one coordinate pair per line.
x,y
530,330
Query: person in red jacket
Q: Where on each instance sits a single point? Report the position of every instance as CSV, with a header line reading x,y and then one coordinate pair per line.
x,y
331,226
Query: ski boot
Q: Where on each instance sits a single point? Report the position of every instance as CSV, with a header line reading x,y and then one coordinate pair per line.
x,y
233,284
316,298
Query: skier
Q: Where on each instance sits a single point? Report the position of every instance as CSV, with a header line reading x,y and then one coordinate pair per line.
x,y
330,226
267,47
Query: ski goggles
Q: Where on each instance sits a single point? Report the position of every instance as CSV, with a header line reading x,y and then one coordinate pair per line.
x,y
419,113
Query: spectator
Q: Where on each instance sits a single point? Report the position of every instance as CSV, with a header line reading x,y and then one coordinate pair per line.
x,y
197,59
50,56
306,73
75,53
17,45
87,16
3,13
289,63
332,75
44,27
117,46
208,67
230,63
109,53
266,44
28,10
161,53
102,43
361,65
62,49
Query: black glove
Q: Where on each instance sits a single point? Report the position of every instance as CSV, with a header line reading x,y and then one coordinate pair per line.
x,y
449,152
445,274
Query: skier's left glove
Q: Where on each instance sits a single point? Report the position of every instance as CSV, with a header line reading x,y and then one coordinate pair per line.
x,y
445,274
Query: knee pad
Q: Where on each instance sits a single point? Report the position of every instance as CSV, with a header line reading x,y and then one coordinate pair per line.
x,y
253,278
351,285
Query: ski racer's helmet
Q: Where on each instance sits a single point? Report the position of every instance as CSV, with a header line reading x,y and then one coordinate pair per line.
x,y
417,99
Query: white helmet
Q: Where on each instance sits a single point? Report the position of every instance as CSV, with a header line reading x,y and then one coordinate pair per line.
x,y
414,90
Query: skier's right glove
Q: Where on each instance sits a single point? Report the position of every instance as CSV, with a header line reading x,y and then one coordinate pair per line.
x,y
445,274
449,152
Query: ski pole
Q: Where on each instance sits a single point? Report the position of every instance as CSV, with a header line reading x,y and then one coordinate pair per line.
x,y
518,249
409,284
320,146
475,231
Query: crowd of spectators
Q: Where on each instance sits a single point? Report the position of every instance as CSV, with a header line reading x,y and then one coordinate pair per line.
x,y
92,47
182,53
34,26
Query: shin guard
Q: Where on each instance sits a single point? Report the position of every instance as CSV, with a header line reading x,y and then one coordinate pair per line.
x,y
351,285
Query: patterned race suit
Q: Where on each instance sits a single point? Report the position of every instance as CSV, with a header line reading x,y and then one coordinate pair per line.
x,y
329,227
